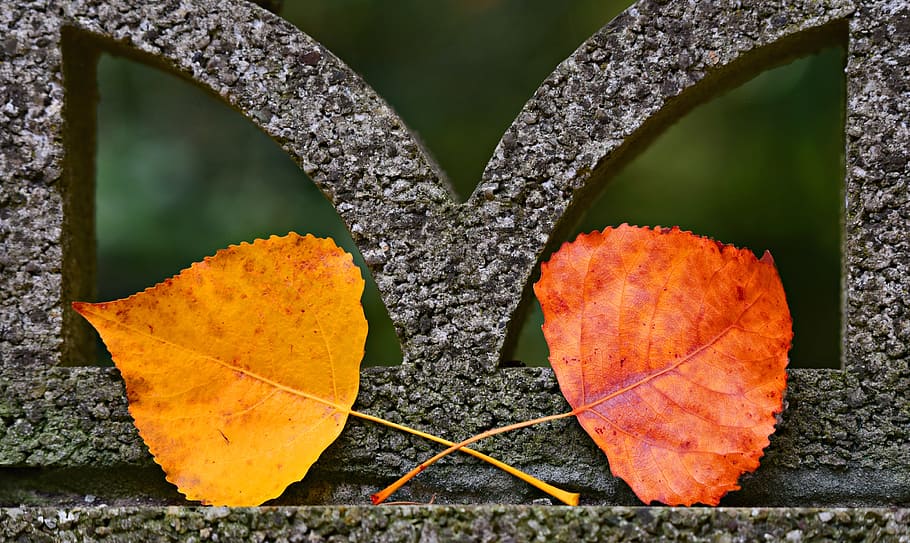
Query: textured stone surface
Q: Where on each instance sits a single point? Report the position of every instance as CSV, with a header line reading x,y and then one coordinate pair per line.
x,y
452,274
823,453
877,249
32,194
621,88
488,523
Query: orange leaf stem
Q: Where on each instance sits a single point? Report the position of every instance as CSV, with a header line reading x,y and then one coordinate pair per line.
x,y
569,498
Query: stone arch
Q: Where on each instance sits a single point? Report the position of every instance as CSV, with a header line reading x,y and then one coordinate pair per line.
x,y
322,114
619,90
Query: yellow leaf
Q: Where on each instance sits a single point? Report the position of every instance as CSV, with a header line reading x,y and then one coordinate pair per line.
x,y
243,368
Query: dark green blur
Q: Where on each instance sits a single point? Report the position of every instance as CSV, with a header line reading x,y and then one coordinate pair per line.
x,y
180,175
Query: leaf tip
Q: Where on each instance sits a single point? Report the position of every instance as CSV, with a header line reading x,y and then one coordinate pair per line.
x,y
83,308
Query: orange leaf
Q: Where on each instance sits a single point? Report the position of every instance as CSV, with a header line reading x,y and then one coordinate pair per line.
x,y
243,368
671,349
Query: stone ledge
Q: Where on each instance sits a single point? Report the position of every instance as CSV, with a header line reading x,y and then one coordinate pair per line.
x,y
833,447
448,485
453,523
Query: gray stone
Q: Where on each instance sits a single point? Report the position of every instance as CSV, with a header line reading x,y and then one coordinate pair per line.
x,y
821,454
455,276
451,523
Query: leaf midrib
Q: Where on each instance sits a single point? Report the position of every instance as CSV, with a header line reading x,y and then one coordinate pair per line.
x,y
733,325
256,376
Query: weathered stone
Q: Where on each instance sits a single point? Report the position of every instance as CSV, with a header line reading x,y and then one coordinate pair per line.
x,y
823,452
453,275
450,523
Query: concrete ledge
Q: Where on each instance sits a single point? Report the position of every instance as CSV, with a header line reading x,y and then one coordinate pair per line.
x,y
442,523
70,434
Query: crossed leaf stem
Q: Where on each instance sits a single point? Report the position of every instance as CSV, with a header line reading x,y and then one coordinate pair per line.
x,y
385,493
569,498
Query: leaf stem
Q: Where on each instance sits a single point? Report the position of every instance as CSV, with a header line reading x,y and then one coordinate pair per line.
x,y
569,498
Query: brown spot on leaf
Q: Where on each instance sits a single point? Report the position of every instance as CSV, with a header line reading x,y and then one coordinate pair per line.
x,y
136,387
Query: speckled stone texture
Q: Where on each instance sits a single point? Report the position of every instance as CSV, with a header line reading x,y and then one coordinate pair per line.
x,y
454,275
76,427
487,523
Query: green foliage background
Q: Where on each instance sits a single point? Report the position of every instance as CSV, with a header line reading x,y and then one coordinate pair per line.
x,y
180,175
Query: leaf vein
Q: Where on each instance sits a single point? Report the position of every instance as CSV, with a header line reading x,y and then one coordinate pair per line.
x,y
270,382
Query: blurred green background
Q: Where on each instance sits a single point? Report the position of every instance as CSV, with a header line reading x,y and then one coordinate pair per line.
x,y
180,175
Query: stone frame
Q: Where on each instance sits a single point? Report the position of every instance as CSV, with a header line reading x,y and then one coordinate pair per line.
x,y
452,275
